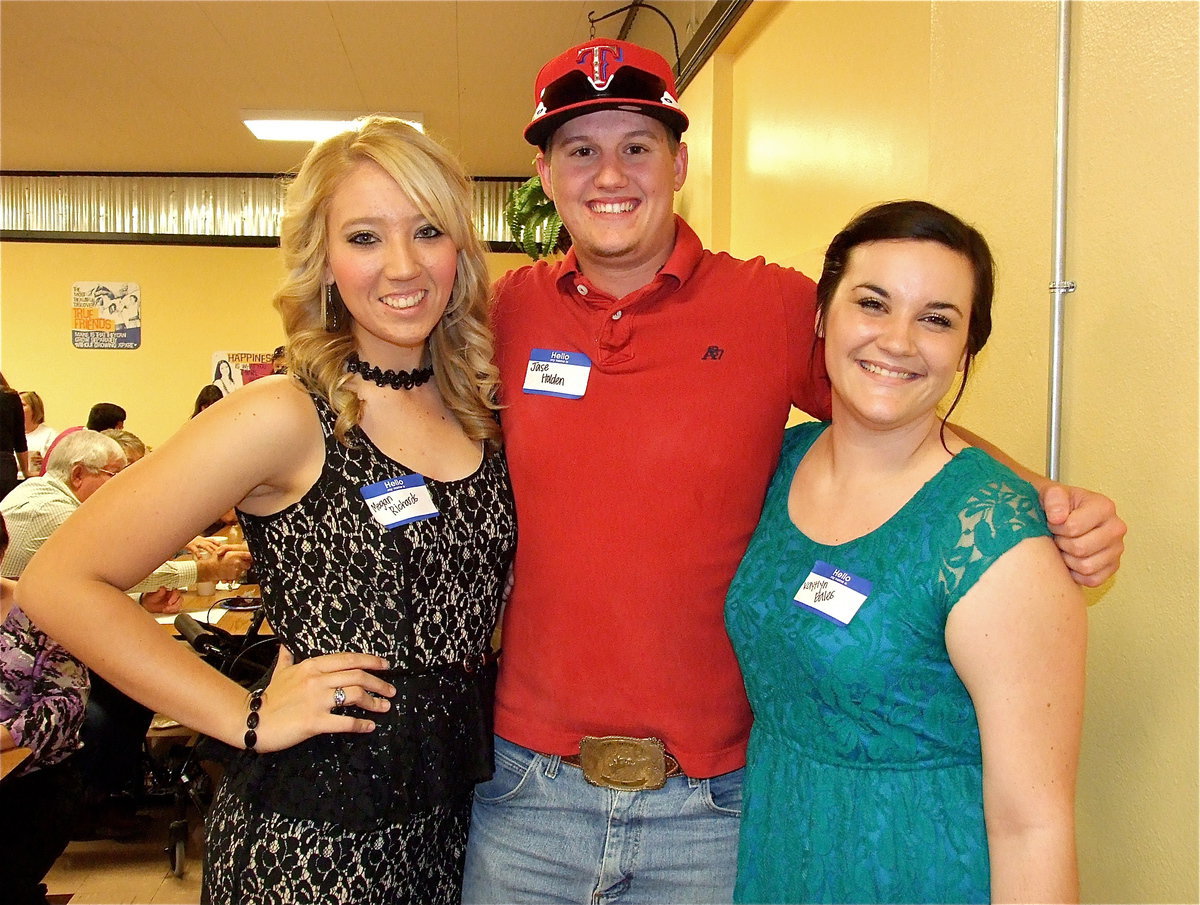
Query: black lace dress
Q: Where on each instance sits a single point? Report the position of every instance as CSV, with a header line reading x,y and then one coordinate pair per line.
x,y
380,817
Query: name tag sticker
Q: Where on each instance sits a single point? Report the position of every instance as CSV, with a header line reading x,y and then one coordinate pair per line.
x,y
398,501
833,593
562,374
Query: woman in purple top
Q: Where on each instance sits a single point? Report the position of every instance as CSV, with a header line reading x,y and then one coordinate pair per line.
x,y
43,695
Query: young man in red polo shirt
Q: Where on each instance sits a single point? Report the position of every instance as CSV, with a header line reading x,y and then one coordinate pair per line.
x,y
646,385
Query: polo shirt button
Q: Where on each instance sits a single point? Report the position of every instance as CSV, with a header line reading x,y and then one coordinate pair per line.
x,y
582,289
617,316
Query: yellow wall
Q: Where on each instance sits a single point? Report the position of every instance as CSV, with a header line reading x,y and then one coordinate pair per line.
x,y
195,301
800,144
839,105
1132,422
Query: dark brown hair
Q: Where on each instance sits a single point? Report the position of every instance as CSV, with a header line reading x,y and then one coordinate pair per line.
x,y
206,397
917,220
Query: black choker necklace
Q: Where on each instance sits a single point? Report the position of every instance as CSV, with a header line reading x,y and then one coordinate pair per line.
x,y
397,380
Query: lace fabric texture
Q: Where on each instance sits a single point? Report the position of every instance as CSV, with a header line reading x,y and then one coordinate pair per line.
x,y
425,595
429,750
864,777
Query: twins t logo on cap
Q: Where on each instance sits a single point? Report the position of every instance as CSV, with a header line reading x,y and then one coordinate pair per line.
x,y
600,54
603,74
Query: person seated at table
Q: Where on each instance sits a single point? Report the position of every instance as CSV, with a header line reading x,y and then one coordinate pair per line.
x,y
38,434
62,435
911,641
43,691
116,724
131,444
207,396
78,466
371,488
105,416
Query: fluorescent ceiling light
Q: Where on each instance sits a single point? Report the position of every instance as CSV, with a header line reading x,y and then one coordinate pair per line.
x,y
274,125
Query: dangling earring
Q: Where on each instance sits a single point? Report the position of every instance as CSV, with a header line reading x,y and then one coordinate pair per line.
x,y
331,309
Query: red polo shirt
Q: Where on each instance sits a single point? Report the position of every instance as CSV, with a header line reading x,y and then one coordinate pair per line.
x,y
636,501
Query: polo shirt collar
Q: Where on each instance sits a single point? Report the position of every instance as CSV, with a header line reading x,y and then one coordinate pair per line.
x,y
685,255
680,265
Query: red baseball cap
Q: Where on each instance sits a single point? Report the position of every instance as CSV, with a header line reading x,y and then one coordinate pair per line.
x,y
603,74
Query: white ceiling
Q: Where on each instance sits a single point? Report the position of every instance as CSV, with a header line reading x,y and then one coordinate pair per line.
x,y
159,86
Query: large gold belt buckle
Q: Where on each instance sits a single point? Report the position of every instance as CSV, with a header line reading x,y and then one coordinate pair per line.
x,y
624,764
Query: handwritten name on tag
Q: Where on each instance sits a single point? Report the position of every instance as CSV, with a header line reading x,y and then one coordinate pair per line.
x,y
554,373
833,593
399,501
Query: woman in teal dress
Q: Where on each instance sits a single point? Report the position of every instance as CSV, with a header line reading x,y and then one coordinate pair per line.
x,y
912,644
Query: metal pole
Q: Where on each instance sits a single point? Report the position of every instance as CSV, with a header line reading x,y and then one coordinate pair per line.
x,y
1059,285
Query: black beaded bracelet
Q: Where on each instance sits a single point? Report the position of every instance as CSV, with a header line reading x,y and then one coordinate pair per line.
x,y
251,737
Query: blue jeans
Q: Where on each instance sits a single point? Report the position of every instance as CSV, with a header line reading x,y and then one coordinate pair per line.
x,y
541,833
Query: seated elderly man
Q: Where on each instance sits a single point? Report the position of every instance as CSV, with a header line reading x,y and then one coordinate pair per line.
x,y
78,466
115,725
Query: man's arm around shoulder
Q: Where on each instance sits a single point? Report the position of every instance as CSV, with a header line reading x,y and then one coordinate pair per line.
x,y
1089,533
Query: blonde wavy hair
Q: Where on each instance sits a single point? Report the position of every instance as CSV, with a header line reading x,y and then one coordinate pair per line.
x,y
460,345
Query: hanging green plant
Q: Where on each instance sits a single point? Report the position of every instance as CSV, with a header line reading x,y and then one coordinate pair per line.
x,y
534,221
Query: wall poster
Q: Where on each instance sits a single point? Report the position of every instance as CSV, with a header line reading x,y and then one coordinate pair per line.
x,y
234,369
106,315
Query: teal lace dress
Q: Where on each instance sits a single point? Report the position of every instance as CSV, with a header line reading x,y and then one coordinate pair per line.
x,y
864,780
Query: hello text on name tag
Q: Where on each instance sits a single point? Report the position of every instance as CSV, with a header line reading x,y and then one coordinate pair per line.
x,y
554,373
833,593
398,501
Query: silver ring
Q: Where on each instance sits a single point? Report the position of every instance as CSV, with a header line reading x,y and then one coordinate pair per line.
x,y
339,697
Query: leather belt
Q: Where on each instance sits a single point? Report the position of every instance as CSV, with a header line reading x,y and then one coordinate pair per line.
x,y
623,763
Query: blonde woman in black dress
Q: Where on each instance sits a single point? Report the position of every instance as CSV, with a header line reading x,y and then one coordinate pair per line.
x,y
377,506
